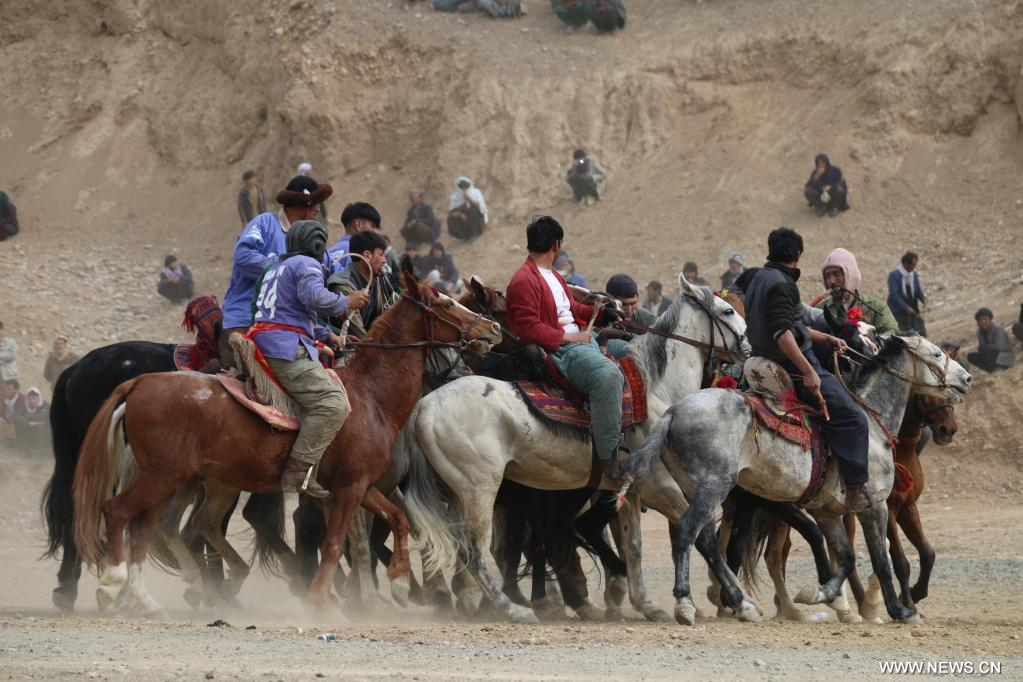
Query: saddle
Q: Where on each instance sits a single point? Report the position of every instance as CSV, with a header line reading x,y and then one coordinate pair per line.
x,y
555,401
775,406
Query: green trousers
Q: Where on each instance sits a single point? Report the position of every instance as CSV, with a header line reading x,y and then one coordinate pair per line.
x,y
601,381
323,400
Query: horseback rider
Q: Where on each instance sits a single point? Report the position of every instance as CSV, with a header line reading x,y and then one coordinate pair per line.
x,y
841,276
542,311
258,246
290,298
776,331
355,276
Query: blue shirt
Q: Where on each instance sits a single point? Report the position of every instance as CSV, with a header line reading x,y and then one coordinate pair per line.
x,y
294,293
258,245
341,247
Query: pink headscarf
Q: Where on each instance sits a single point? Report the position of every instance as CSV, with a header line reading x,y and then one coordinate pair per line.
x,y
841,258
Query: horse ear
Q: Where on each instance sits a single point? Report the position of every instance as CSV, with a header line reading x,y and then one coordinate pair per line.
x,y
478,288
686,288
406,265
408,283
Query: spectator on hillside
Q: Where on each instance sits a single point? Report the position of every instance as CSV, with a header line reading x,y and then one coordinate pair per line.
x,y
251,201
994,349
356,217
14,401
587,178
656,302
572,12
692,275
8,217
305,168
501,9
826,189
32,423
176,283
467,211
421,226
735,268
606,15
438,269
566,268
906,298
59,359
1017,327
8,356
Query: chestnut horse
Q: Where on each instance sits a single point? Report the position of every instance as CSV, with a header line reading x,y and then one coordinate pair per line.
x,y
223,440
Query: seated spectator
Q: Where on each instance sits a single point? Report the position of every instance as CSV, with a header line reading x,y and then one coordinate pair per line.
x,y
735,268
572,12
8,356
606,15
467,211
994,350
826,189
566,268
32,423
692,275
587,178
624,288
59,359
8,217
656,302
175,281
421,226
906,298
251,201
438,270
501,9
14,402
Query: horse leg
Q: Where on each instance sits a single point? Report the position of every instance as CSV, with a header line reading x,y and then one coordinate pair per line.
x,y
309,534
731,594
210,522
399,568
344,505
909,521
838,540
170,533
508,538
118,511
779,543
141,530
435,588
68,575
468,596
632,551
362,588
725,535
265,513
900,564
873,520
592,528
697,520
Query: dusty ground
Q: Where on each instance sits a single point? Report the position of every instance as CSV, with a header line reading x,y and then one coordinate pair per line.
x,y
125,125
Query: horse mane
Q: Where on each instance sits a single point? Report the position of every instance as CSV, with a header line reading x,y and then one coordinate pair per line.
x,y
651,350
889,349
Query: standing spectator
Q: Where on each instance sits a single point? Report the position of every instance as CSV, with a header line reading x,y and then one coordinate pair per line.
x,y
587,178
735,268
994,349
176,283
14,401
8,217
305,168
656,302
421,226
438,269
826,189
566,268
692,275
251,201
8,356
906,297
32,423
467,211
59,359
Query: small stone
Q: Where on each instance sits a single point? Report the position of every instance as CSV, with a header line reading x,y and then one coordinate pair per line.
x,y
759,663
630,629
209,674
846,655
955,467
918,633
866,633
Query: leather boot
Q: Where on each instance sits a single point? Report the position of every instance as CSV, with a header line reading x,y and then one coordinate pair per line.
x,y
856,499
613,467
294,475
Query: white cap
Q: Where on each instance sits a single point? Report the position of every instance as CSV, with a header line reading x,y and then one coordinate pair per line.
x,y
305,168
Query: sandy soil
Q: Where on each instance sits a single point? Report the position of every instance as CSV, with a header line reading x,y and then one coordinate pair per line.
x,y
125,125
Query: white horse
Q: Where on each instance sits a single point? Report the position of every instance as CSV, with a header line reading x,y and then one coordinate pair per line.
x,y
709,444
475,431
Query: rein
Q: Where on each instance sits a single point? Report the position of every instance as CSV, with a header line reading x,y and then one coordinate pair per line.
x,y
722,353
431,318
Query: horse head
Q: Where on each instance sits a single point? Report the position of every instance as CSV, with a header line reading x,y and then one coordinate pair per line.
x,y
932,372
940,416
454,322
726,317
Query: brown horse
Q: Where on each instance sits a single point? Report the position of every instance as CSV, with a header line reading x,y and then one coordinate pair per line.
x,y
225,441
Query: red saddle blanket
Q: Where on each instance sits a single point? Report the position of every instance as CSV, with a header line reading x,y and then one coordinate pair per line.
x,y
792,426
557,402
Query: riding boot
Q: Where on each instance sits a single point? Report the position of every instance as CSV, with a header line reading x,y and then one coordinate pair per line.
x,y
856,499
614,467
293,480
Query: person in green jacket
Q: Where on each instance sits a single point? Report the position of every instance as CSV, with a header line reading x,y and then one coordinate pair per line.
x,y
842,277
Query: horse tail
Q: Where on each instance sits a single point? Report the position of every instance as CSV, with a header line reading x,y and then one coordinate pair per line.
x,y
97,473
56,506
642,460
437,522
269,508
756,532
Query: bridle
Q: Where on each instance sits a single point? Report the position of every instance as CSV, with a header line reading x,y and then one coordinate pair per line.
x,y
431,318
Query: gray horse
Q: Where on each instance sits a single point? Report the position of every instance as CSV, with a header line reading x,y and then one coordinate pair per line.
x,y
714,446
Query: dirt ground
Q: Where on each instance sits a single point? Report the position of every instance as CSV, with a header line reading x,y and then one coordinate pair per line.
x,y
125,126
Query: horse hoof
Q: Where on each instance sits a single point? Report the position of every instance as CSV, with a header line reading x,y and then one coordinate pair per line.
x,y
849,618
685,612
657,615
466,606
613,615
547,609
193,597
723,612
522,615
912,619
714,596
590,613
748,612
64,601
104,599
809,595
400,591
617,588
792,614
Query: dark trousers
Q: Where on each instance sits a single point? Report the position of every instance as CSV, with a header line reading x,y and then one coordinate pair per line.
x,y
985,359
839,198
911,323
465,222
227,359
846,432
583,185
